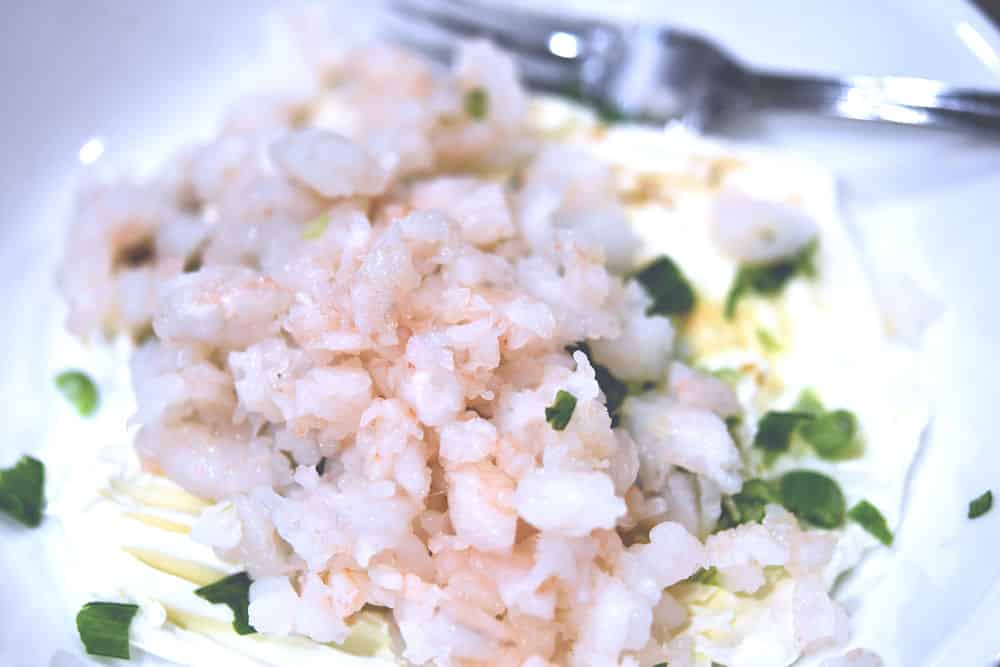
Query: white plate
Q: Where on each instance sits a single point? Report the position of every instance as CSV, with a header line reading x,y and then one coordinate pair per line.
x,y
143,77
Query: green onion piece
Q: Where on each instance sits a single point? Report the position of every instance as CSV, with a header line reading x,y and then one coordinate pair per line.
x,y
477,103
615,391
79,390
774,431
103,628
981,505
770,279
868,517
749,504
234,592
809,403
813,497
832,435
667,287
768,341
316,227
22,491
730,376
732,423
709,576
559,413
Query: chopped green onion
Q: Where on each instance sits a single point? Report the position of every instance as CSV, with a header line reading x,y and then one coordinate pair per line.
x,y
667,287
981,505
770,279
809,403
316,227
833,435
768,341
79,390
559,413
730,376
749,504
774,431
709,576
477,103
104,626
868,517
22,491
234,592
813,497
732,423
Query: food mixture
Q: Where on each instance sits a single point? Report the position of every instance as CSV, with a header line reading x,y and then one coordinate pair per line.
x,y
429,371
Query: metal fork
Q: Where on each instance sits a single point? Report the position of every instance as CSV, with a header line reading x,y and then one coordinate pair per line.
x,y
658,74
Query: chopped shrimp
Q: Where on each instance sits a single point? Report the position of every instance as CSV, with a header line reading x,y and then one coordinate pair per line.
x,y
481,502
328,164
701,390
233,306
759,232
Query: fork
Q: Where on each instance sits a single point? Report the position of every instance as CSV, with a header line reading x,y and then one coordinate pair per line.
x,y
654,73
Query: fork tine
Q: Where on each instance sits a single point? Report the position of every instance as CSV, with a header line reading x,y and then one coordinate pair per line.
x,y
438,42
518,31
433,44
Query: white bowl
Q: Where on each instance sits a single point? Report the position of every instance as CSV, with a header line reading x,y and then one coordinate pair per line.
x,y
135,79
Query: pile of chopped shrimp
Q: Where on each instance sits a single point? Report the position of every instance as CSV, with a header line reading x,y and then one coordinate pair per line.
x,y
349,330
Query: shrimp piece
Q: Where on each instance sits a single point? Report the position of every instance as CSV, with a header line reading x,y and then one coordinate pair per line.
x,y
222,305
617,619
331,398
391,442
669,434
742,553
671,555
567,188
273,603
759,232
210,463
820,622
172,384
567,502
479,207
481,507
432,635
386,274
467,441
328,164
701,390
264,376
642,351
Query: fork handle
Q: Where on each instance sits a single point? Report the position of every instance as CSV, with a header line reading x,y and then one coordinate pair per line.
x,y
894,99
